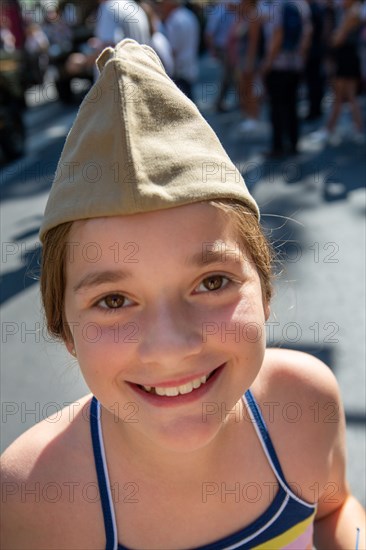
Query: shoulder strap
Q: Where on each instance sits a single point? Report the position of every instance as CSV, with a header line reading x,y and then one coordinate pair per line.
x,y
103,478
269,450
264,437
266,442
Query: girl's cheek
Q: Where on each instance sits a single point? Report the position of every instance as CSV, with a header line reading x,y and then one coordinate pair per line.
x,y
97,336
243,325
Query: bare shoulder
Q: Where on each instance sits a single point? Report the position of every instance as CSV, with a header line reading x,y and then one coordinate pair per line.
x,y
305,387
301,404
33,446
41,472
299,374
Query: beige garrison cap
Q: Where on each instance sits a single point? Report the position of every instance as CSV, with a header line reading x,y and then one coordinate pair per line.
x,y
137,145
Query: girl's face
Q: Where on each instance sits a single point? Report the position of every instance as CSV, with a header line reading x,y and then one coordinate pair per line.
x,y
167,319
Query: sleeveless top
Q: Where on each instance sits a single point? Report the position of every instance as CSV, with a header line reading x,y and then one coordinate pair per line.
x,y
287,524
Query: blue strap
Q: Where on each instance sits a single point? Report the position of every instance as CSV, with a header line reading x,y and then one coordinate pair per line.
x,y
102,481
260,422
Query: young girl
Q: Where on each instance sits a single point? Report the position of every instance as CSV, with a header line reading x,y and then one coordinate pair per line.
x,y
156,276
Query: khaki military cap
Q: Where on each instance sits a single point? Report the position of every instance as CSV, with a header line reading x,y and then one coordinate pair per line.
x,y
138,144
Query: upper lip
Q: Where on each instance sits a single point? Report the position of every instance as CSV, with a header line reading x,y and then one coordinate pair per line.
x,y
179,381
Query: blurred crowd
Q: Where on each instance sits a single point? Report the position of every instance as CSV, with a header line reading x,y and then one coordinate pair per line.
x,y
67,36
266,49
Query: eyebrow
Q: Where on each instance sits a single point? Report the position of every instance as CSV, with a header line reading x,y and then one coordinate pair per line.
x,y
207,257
198,259
100,277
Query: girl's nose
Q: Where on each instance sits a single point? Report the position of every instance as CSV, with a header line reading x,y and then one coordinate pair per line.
x,y
169,334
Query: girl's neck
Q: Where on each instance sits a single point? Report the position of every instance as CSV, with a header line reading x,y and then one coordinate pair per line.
x,y
151,459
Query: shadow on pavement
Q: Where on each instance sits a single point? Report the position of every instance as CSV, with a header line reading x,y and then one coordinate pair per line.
x,y
325,167
14,282
25,179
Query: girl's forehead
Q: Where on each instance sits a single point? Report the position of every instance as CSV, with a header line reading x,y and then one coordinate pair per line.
x,y
197,231
187,220
192,236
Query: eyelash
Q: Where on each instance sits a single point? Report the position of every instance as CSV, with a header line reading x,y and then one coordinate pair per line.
x,y
219,291
109,310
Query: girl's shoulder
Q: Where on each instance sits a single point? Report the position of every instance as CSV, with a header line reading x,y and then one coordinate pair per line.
x,y
300,402
50,435
304,387
48,480
286,369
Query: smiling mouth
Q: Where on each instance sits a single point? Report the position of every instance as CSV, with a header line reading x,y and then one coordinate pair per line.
x,y
189,387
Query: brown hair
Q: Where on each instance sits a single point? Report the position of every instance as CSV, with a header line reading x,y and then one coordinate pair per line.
x,y
251,236
53,267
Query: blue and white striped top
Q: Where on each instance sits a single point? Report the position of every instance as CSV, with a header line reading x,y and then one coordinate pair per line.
x,y
287,524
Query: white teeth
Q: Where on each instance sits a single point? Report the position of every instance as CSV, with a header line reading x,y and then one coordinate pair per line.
x,y
171,391
179,390
187,388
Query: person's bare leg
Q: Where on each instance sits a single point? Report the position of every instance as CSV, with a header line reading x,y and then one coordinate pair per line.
x,y
253,99
339,91
242,92
351,94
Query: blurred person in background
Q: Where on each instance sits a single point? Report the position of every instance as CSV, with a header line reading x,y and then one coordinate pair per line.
x,y
12,13
13,26
329,25
114,20
219,25
119,19
58,32
13,73
347,71
36,47
158,40
363,47
330,8
183,32
7,38
60,38
315,63
247,42
288,34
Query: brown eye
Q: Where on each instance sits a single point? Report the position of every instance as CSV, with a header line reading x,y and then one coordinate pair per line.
x,y
214,282
114,301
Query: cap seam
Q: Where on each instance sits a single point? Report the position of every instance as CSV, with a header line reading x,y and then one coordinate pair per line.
x,y
124,125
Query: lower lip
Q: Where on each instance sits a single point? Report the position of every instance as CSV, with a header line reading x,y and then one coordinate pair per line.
x,y
165,401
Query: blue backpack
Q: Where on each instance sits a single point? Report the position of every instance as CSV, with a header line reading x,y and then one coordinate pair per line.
x,y
292,26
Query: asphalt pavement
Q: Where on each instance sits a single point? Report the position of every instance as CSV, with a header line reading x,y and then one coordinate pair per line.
x,y
313,208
